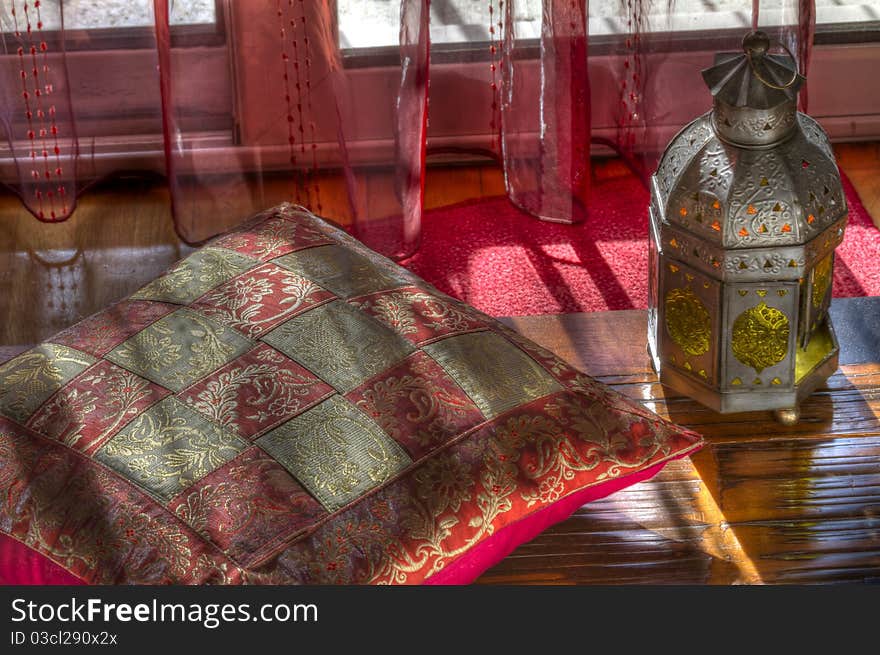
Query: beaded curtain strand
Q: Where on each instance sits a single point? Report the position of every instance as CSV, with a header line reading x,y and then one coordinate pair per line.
x,y
284,23
308,94
36,91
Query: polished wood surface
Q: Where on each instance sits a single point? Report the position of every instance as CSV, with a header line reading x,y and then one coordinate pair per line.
x,y
861,163
760,503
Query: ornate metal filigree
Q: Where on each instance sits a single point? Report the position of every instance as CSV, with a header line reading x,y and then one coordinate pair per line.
x,y
688,321
815,134
680,152
754,212
760,336
747,126
768,263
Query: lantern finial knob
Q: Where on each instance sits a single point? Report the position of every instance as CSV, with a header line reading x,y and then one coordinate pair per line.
x,y
756,44
755,92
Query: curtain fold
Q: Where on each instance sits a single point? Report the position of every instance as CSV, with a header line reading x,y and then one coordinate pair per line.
x,y
546,139
349,141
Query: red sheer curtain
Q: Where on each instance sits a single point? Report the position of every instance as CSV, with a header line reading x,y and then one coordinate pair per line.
x,y
348,142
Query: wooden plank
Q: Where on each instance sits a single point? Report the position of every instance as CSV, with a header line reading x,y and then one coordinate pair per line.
x,y
861,162
761,503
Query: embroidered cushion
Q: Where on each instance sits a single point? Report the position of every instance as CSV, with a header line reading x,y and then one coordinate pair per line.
x,y
286,406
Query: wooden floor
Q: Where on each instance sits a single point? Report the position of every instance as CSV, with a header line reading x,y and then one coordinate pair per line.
x,y
760,503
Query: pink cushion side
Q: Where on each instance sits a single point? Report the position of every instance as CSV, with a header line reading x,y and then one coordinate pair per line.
x,y
488,553
20,565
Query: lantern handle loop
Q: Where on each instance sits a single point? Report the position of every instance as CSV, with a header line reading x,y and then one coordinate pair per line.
x,y
756,44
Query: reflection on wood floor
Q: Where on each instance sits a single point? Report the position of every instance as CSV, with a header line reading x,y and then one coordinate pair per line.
x,y
761,503
121,236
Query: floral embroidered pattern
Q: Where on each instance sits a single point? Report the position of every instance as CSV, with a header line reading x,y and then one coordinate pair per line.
x,y
418,404
272,238
339,344
417,315
335,451
248,504
29,379
169,447
496,374
414,527
260,299
256,392
94,406
198,273
179,349
51,502
343,271
104,331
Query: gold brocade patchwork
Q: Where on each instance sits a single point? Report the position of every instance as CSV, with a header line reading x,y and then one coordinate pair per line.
x,y
168,448
272,238
196,275
160,444
336,452
256,301
343,271
29,379
339,344
497,375
417,315
179,349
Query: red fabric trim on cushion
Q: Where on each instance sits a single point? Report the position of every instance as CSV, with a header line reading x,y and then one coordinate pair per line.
x,y
488,553
21,565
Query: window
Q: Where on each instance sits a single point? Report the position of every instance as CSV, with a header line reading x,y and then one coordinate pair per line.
x,y
847,39
114,24
112,62
373,23
108,14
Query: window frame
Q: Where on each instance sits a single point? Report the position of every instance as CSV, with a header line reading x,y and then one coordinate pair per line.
x,y
122,130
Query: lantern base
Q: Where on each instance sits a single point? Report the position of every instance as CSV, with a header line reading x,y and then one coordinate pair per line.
x,y
787,416
784,402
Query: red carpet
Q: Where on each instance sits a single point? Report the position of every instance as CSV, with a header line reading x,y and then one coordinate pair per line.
x,y
506,263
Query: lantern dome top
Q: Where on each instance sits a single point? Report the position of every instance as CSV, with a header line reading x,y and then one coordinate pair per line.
x,y
755,78
738,198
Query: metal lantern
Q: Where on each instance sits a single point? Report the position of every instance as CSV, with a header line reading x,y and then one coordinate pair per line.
x,y
747,208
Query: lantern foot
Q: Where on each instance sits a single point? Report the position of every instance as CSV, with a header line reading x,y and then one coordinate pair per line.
x,y
787,416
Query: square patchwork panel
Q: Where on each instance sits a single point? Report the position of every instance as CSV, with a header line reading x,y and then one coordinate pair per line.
x,y
94,406
418,315
336,452
168,448
339,344
418,404
247,505
179,349
256,301
27,381
195,275
272,238
343,271
497,375
256,392
104,331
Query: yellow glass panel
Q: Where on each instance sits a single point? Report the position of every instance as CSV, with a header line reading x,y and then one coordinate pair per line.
x,y
819,347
